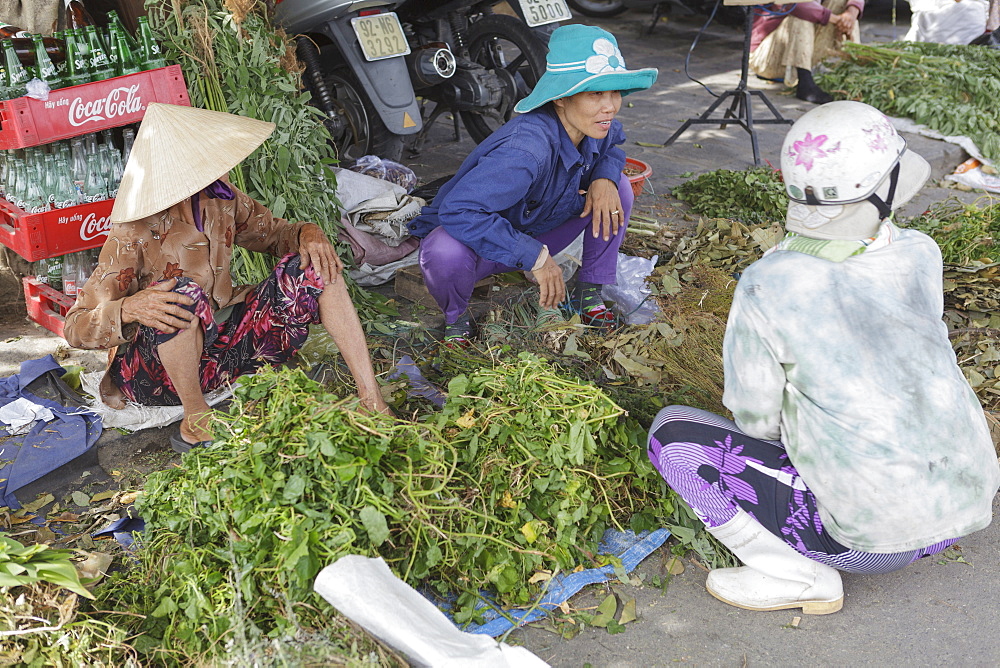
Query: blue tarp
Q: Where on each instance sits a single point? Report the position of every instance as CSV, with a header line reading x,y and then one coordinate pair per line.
x,y
25,458
628,546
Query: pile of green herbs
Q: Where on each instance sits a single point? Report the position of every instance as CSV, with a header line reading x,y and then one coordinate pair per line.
x,y
967,233
752,196
521,472
40,590
234,61
950,88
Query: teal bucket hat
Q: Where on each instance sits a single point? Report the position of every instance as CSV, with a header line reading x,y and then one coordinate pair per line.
x,y
584,58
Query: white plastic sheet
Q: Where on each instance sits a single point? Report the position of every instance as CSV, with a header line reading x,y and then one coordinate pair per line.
x,y
367,592
947,21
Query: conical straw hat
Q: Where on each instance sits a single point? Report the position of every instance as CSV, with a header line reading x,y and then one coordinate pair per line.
x,y
177,152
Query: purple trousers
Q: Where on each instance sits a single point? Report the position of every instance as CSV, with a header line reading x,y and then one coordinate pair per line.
x,y
719,470
451,269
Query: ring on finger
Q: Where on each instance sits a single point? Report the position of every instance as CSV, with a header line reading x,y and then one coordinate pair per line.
x,y
615,212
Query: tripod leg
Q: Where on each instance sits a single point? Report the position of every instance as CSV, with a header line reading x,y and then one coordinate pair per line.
x,y
679,132
657,13
747,100
733,111
771,107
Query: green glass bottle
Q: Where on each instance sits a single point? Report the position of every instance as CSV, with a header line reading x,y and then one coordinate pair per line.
x,y
113,52
151,57
115,22
100,68
126,57
17,74
45,69
77,69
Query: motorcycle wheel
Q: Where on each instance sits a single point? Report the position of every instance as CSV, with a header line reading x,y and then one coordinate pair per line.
x,y
508,47
598,8
363,132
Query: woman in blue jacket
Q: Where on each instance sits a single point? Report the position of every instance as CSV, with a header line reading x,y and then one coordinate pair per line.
x,y
536,183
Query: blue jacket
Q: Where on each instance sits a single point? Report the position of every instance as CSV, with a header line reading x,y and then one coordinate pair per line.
x,y
522,181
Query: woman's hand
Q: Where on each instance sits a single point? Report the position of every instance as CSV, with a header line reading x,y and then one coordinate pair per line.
x,y
605,204
551,287
158,307
316,250
845,21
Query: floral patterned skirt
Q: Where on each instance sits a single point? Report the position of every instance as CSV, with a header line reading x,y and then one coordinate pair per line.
x,y
268,327
719,470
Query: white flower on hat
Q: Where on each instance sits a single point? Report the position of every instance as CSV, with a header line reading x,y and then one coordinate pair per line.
x,y
608,58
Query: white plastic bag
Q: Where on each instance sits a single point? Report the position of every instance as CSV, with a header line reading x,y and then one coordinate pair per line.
x,y
631,295
366,591
970,173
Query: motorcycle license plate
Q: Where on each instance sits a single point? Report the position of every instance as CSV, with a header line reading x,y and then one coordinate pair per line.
x,y
381,36
540,12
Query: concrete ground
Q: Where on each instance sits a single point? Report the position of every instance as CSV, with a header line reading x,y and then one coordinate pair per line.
x,y
927,614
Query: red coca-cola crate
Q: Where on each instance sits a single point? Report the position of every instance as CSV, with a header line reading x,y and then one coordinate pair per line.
x,y
34,236
77,110
46,305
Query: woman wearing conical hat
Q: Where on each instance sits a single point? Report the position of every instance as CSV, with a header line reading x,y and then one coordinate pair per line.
x,y
536,183
162,293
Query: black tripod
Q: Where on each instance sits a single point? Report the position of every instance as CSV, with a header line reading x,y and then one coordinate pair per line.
x,y
740,111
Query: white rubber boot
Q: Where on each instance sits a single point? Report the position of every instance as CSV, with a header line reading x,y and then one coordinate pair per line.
x,y
775,576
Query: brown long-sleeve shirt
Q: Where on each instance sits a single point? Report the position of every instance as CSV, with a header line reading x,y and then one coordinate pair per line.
x,y
167,245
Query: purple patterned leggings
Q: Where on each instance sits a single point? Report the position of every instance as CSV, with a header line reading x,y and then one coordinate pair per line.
x,y
718,470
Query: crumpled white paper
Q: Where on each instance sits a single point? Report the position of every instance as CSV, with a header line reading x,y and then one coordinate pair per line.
x,y
367,592
21,413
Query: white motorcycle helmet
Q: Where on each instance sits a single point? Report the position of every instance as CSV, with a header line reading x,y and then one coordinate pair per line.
x,y
846,169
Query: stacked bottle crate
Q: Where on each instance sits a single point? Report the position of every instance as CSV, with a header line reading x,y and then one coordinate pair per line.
x,y
64,144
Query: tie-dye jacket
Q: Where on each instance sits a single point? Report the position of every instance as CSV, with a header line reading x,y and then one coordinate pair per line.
x,y
848,364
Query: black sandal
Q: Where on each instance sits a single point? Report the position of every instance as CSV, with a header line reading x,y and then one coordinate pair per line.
x,y
181,446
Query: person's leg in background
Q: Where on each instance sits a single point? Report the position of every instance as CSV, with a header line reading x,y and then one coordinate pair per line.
x,y
796,47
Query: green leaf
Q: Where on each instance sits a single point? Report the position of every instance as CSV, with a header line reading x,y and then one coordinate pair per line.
x,y
605,611
375,525
293,488
282,157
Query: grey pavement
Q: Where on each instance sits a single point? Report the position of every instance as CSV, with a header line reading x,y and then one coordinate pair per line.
x,y
927,614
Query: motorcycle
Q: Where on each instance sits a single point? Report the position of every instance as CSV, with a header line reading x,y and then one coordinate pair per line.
x,y
473,63
366,61
727,15
354,54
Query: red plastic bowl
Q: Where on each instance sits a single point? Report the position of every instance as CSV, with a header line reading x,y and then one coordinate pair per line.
x,y
638,180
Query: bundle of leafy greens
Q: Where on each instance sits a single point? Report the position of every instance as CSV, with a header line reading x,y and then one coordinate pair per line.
x,y
234,61
753,196
522,471
951,88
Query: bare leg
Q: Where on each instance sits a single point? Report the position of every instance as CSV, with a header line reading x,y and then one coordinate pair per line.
x,y
340,320
181,357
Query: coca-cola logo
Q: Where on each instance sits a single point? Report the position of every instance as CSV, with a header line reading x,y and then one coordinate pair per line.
x,y
118,102
94,227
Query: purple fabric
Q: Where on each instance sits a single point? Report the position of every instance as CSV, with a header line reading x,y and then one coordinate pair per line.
x,y
215,190
719,470
451,269
371,249
814,12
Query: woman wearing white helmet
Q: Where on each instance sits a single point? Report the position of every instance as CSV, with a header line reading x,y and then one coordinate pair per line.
x,y
857,445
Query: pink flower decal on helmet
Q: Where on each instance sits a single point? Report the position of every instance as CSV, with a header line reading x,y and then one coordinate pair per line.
x,y
805,151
